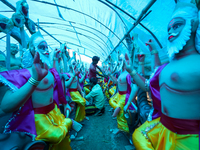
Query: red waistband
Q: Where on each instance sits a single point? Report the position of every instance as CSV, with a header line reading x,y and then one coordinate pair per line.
x,y
181,126
122,92
45,109
73,90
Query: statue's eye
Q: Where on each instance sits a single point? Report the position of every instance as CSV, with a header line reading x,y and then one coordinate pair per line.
x,y
176,26
42,47
3,26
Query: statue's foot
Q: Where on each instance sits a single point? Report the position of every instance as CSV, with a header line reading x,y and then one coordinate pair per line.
x,y
117,110
111,109
98,113
116,131
76,126
87,118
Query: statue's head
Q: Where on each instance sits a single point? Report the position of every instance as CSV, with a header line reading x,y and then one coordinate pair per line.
x,y
2,61
6,24
183,23
23,8
38,44
13,49
121,62
72,64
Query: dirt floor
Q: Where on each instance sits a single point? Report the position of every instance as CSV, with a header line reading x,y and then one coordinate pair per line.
x,y
97,135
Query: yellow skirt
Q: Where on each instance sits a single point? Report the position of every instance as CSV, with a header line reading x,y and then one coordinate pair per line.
x,y
87,91
80,110
104,86
153,135
53,128
119,101
112,90
107,94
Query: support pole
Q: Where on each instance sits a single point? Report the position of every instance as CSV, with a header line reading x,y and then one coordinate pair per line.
x,y
136,23
23,41
139,23
8,51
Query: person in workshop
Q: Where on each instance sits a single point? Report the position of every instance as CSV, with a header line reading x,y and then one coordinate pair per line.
x,y
174,87
92,70
97,97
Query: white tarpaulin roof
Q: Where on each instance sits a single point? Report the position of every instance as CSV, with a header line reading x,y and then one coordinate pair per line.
x,y
93,28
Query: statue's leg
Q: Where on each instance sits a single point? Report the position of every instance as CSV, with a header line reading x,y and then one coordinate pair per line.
x,y
112,90
53,128
80,111
121,120
141,141
154,135
113,101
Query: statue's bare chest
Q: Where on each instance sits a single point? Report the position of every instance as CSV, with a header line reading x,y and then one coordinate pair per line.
x,y
122,78
46,83
182,74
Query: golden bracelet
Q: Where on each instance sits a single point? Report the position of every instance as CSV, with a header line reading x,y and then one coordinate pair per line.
x,y
33,82
133,73
141,63
154,52
55,59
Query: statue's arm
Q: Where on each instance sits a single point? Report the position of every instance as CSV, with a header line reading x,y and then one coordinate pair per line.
x,y
10,101
132,96
82,78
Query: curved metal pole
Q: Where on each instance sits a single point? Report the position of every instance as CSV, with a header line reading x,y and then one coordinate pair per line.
x,y
140,17
69,43
85,36
139,23
126,28
84,26
79,45
80,13
80,29
82,34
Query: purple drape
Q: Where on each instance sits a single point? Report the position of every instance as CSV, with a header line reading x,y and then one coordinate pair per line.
x,y
155,92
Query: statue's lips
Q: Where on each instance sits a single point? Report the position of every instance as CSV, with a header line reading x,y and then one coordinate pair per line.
x,y
170,37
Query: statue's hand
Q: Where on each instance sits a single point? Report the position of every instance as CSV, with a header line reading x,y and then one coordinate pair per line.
x,y
77,73
57,54
128,64
141,57
38,72
151,45
125,108
62,47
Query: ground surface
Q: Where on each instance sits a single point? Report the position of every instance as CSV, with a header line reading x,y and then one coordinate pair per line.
x,y
97,135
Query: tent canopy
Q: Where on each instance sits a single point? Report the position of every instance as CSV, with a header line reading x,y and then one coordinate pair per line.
x,y
95,27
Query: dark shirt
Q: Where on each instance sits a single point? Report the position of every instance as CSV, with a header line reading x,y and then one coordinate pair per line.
x,y
92,71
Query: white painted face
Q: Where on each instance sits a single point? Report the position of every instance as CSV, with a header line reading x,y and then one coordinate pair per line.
x,y
13,49
179,29
178,35
175,27
42,48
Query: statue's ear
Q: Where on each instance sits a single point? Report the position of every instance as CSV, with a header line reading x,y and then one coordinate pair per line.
x,y
195,24
32,50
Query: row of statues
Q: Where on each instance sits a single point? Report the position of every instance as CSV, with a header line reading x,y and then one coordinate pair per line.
x,y
34,95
